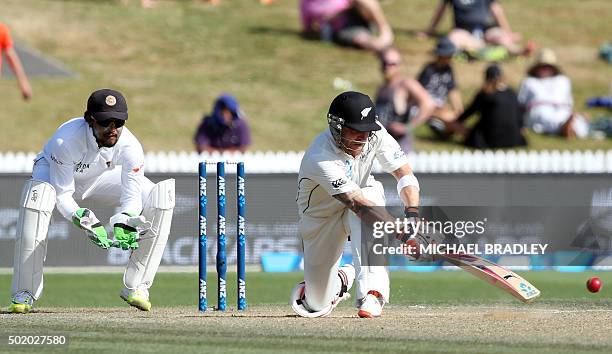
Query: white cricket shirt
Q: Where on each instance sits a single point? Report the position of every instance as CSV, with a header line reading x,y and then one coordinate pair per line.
x,y
76,161
326,170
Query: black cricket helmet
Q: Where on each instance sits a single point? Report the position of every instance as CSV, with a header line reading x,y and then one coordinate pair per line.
x,y
354,110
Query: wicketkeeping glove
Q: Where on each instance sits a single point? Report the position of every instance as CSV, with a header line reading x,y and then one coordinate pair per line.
x,y
125,229
87,221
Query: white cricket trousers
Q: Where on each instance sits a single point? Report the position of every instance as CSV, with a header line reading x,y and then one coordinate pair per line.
x,y
323,241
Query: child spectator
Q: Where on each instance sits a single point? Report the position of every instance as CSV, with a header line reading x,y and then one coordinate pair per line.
x,y
438,79
347,23
477,23
6,48
401,102
546,98
500,124
225,129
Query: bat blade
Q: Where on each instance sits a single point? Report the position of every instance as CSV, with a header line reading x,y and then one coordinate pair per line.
x,y
495,275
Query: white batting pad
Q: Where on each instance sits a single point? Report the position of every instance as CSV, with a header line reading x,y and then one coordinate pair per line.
x,y
144,261
35,208
368,277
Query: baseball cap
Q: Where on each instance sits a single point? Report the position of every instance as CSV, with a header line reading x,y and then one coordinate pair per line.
x,y
445,48
493,72
105,104
356,110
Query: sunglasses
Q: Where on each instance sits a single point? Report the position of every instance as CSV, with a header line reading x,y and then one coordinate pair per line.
x,y
106,123
389,63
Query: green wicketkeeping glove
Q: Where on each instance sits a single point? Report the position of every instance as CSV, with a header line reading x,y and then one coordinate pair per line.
x,y
125,229
87,221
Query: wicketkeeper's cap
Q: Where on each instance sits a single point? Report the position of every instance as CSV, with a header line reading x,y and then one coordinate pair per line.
x,y
105,104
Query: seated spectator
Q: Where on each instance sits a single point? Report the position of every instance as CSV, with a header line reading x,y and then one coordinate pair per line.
x,y
6,48
478,23
225,129
401,102
438,79
500,123
347,23
546,98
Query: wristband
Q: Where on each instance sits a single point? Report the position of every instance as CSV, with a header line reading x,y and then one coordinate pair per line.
x,y
411,212
405,181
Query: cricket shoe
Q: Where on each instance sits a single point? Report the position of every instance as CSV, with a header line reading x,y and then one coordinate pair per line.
x,y
138,298
22,302
346,273
371,305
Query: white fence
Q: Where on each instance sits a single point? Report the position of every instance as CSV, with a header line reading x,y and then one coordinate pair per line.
x,y
466,161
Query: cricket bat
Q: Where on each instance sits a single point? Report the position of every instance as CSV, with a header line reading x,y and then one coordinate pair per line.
x,y
494,274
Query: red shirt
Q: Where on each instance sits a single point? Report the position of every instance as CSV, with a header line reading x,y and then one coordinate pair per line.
x,y
5,41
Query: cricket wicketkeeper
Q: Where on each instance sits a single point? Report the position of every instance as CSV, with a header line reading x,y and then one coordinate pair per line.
x,y
93,158
335,193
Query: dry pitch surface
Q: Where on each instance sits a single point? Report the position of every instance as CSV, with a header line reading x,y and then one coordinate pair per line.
x,y
559,328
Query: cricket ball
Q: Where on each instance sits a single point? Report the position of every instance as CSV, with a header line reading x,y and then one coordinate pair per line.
x,y
593,284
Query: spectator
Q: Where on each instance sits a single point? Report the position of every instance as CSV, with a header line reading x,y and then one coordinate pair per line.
x,y
546,98
6,47
347,23
438,79
500,124
477,23
225,129
401,102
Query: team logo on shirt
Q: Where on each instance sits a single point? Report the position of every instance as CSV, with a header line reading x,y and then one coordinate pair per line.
x,y
398,154
365,112
55,159
81,167
111,100
338,183
136,169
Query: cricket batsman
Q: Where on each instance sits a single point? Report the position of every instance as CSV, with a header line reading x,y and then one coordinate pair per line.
x,y
96,159
336,191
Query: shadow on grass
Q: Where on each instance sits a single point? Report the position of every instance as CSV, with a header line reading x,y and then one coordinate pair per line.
x,y
278,31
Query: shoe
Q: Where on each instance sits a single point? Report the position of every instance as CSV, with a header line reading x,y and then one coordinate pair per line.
x,y
298,303
372,305
22,302
138,298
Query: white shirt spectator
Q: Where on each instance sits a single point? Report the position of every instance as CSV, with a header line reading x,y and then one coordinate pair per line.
x,y
548,102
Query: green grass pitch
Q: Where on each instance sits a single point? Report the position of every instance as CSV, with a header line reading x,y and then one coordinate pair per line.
x,y
448,312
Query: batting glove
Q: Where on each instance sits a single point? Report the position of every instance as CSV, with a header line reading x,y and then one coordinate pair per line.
x,y
414,239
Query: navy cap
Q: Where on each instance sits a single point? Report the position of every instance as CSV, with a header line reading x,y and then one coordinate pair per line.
x,y
493,72
105,104
445,48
